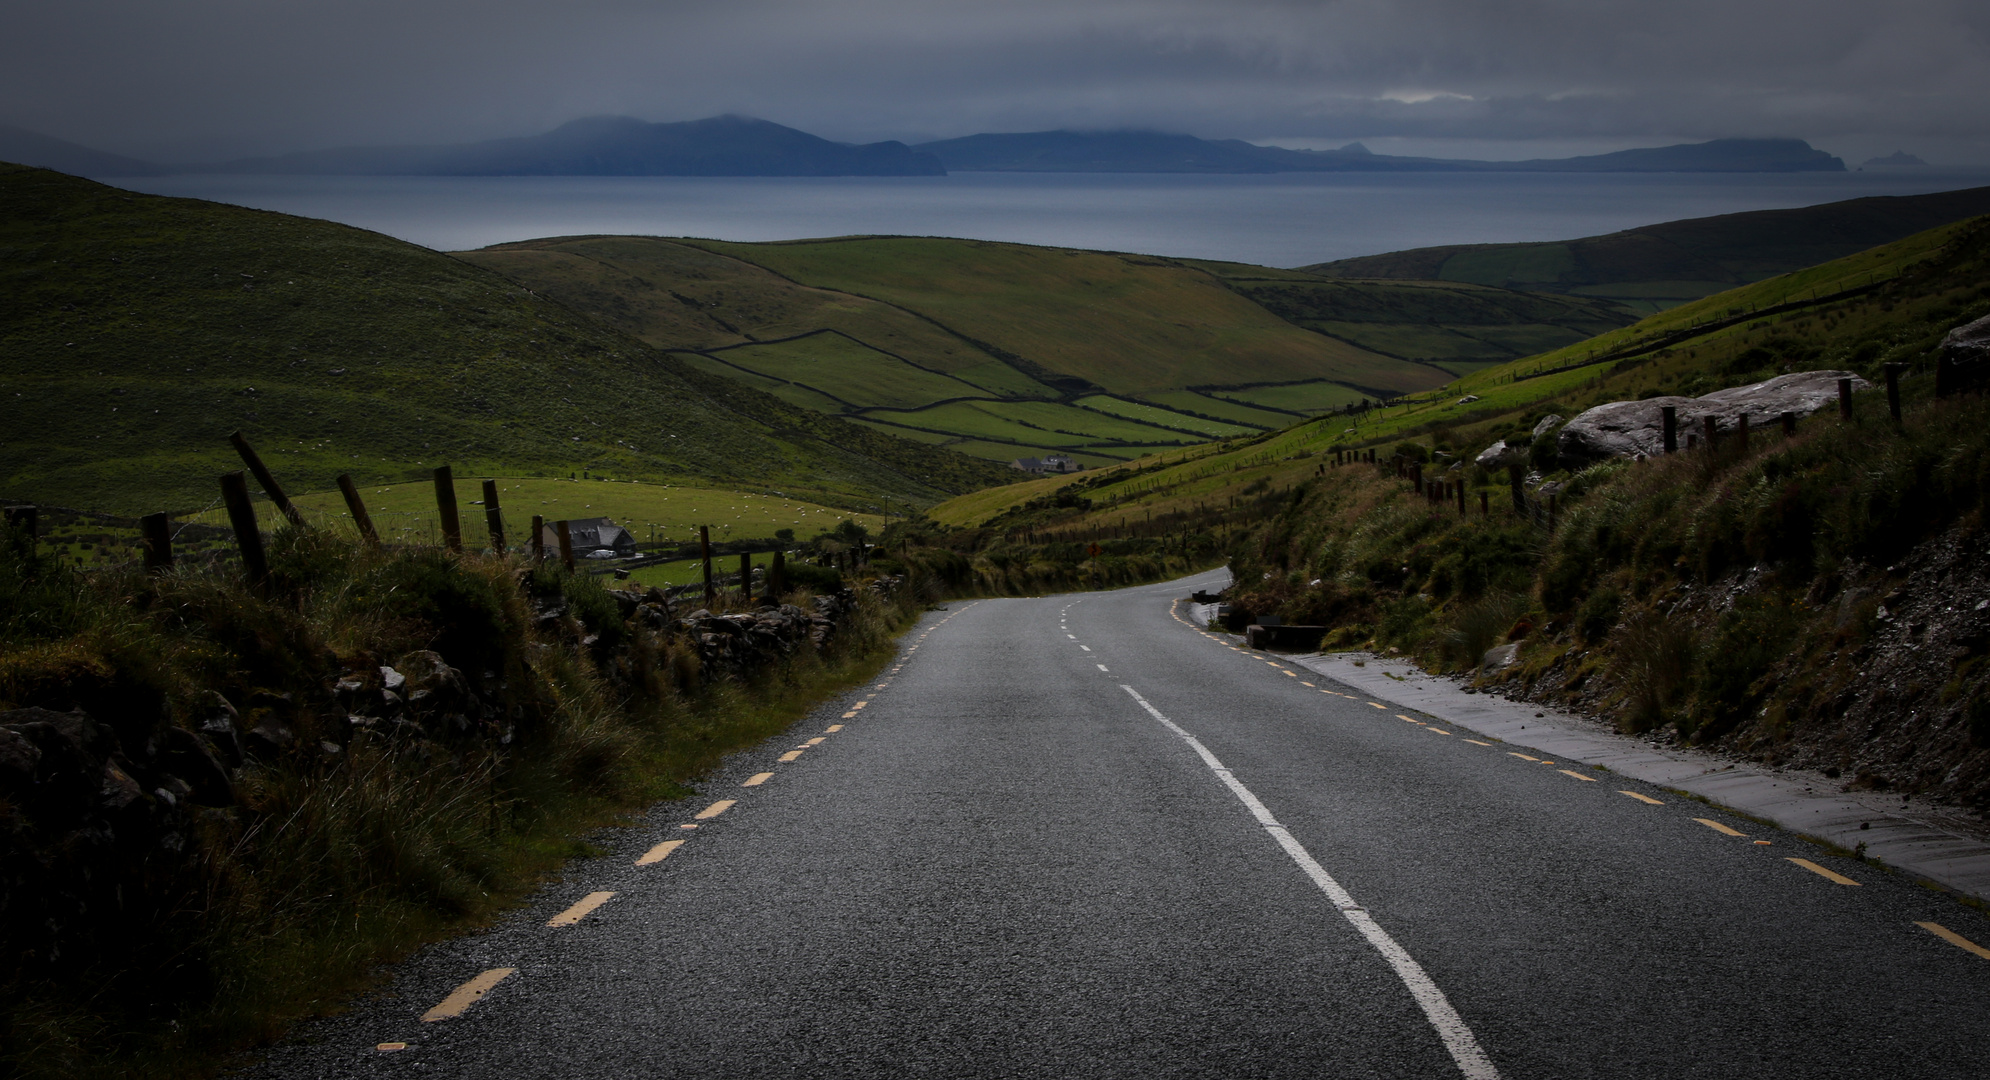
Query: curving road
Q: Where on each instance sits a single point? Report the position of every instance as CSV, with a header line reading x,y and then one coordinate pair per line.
x,y
1076,836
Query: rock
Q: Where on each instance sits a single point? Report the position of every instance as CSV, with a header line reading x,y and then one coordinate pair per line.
x,y
1500,658
1499,455
1547,424
268,740
1965,359
391,680
1623,429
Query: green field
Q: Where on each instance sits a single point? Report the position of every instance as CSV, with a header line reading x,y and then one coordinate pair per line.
x,y
1189,401
406,512
1128,324
849,371
1160,417
1309,398
137,332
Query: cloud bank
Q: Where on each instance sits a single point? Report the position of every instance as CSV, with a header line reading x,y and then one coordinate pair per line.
x,y
196,78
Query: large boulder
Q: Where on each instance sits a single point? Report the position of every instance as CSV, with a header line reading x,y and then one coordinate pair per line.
x,y
1501,454
1624,429
1965,360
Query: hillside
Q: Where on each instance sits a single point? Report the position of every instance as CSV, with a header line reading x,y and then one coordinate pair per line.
x,y
1001,350
137,331
1659,266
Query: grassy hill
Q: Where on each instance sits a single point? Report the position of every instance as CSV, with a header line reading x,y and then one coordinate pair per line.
x,y
1892,303
1659,266
137,331
1007,350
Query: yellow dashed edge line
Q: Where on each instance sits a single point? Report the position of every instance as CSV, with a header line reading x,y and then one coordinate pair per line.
x,y
791,755
757,779
581,909
715,809
467,995
1643,798
1828,875
1577,775
660,852
1722,829
1954,939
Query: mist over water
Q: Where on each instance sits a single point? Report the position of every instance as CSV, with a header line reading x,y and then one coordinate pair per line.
x,y
1275,220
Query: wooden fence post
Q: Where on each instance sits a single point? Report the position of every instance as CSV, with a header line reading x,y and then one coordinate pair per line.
x,y
494,517
1712,426
248,534
1668,417
263,477
1461,498
538,539
566,545
746,577
1844,399
705,552
445,504
1485,505
777,577
1513,481
1789,424
357,509
156,535
1893,390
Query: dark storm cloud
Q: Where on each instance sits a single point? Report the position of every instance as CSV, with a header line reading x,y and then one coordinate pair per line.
x,y
264,75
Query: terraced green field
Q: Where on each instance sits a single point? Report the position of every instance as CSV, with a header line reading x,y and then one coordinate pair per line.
x,y
1308,398
1191,402
1160,417
846,370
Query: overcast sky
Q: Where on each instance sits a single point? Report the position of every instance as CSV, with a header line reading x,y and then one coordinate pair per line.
x,y
187,79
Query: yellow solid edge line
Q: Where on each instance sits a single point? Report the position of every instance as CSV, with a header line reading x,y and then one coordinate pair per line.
x,y
715,809
659,853
1577,775
1642,798
1954,938
581,909
757,779
1720,828
467,995
1820,871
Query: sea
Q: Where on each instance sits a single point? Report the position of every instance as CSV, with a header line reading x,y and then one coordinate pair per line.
x,y
1284,219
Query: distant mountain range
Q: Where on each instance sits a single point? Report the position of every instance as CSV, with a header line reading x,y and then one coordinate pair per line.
x,y
743,146
1153,151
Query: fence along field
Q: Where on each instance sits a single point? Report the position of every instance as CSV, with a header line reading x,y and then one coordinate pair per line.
x,y
662,517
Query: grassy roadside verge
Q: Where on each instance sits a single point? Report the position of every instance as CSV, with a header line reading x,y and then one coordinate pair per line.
x,y
267,821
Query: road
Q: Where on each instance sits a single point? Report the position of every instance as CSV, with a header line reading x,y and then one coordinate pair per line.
x,y
1076,836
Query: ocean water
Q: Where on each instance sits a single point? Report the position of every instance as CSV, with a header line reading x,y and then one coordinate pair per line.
x,y
1277,220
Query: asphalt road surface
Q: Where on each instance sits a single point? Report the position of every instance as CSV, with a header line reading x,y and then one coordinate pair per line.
x,y
1075,836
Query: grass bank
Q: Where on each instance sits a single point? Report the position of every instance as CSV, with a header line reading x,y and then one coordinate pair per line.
x,y
232,806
